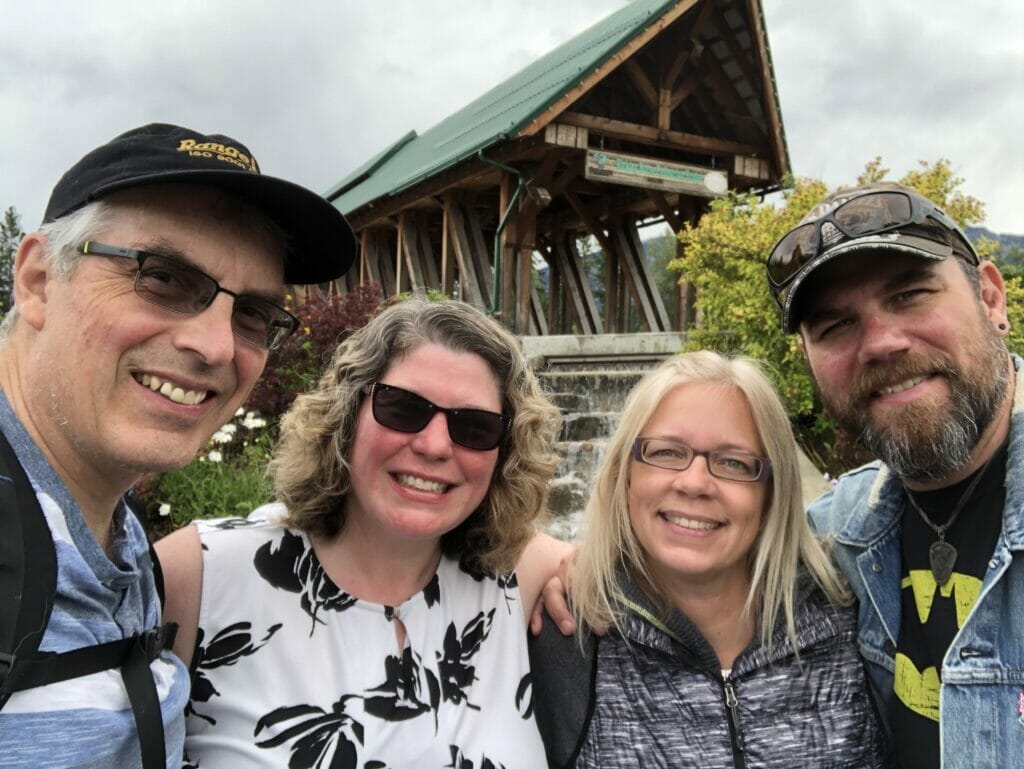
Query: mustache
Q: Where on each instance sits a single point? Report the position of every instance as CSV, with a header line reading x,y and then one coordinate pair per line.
x,y
881,375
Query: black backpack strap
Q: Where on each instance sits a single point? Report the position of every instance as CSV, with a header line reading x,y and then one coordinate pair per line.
x,y
158,576
137,508
138,681
45,668
132,656
28,585
564,676
26,594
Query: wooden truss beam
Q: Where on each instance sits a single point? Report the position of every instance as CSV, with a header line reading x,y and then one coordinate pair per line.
x,y
471,255
377,261
567,264
770,106
610,65
645,134
418,251
638,275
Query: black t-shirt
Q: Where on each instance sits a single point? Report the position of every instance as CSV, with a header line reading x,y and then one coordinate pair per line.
x,y
932,615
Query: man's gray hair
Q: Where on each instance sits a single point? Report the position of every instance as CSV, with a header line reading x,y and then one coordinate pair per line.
x,y
63,239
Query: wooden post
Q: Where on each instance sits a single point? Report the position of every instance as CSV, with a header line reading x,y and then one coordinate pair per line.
x,y
507,251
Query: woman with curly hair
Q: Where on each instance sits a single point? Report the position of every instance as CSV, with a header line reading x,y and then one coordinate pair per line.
x,y
375,615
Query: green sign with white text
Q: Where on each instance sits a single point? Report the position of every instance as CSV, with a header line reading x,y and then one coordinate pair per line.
x,y
655,174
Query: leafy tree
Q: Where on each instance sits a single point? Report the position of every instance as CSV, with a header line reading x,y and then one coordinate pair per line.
x,y
10,237
660,252
724,257
1015,309
1010,259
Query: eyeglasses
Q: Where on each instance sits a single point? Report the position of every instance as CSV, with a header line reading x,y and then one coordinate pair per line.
x,y
180,288
872,213
728,464
407,412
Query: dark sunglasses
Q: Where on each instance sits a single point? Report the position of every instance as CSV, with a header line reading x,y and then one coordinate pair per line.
x,y
407,412
730,464
178,287
872,213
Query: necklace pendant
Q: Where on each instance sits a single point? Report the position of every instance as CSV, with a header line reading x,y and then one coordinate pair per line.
x,y
942,556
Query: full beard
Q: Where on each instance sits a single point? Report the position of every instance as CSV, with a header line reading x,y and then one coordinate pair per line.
x,y
928,441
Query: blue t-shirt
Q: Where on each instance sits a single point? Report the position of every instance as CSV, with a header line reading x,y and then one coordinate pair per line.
x,y
87,722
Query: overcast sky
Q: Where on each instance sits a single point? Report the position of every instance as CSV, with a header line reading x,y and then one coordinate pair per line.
x,y
316,87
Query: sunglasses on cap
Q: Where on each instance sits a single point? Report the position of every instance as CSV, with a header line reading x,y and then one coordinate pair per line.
x,y
872,213
407,412
170,283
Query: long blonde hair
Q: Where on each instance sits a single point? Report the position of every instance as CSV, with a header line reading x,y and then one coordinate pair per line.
x,y
784,549
311,462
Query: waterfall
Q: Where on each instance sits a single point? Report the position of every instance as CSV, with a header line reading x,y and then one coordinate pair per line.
x,y
588,377
591,403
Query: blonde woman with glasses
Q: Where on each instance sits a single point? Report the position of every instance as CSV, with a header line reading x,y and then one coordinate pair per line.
x,y
719,633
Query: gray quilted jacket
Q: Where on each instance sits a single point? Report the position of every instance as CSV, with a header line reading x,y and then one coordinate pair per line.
x,y
661,701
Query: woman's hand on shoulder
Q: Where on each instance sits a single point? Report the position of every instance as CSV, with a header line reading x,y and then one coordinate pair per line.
x,y
544,572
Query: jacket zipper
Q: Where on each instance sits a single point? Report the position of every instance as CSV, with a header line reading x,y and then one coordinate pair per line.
x,y
735,732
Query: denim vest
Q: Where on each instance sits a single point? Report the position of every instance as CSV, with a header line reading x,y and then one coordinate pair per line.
x,y
981,699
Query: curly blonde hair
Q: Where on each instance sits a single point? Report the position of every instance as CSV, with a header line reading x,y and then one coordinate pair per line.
x,y
310,466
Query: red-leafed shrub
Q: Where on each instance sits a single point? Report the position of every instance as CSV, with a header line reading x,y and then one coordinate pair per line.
x,y
296,366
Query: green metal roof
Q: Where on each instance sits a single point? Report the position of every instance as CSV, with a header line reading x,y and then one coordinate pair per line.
x,y
499,113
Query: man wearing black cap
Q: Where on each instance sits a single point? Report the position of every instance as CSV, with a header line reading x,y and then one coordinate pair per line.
x,y
145,308
903,327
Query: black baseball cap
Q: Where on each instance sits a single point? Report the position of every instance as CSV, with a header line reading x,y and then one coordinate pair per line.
x,y
876,217
321,244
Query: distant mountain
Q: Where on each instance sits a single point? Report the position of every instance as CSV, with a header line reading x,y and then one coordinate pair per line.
x,y
1007,240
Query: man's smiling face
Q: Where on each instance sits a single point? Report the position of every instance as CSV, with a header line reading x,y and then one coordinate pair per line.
x,y
117,383
906,356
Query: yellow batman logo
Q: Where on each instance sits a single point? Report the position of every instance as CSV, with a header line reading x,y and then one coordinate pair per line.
x,y
962,587
919,691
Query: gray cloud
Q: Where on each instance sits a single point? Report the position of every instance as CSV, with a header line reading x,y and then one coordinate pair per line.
x,y
317,87
908,81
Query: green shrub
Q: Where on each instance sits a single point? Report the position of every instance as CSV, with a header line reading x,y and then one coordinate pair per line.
x,y
227,478
1015,311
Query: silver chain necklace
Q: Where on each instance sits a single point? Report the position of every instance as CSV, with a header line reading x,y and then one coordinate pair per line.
x,y
942,555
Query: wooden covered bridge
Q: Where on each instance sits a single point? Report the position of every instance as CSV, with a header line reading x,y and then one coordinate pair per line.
x,y
643,117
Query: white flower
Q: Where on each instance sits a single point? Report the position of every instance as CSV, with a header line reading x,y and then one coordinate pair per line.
x,y
240,412
229,428
215,456
165,509
221,436
251,422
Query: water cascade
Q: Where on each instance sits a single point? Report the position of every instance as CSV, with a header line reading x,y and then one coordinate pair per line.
x,y
589,378
591,403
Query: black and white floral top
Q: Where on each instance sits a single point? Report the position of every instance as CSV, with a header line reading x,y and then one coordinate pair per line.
x,y
294,672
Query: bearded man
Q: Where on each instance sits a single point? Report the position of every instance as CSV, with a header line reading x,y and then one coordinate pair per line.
x,y
903,327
